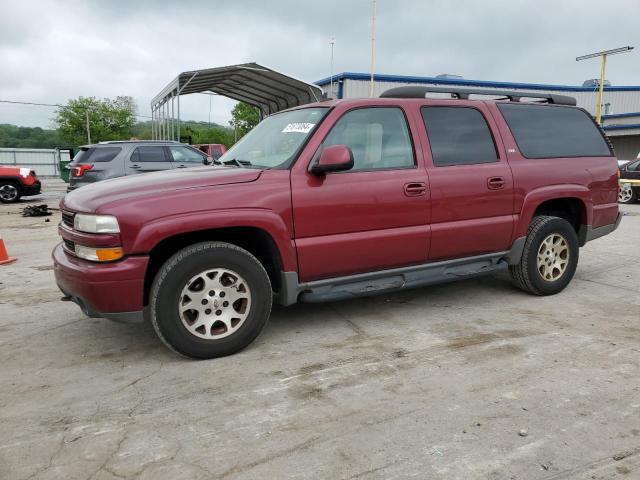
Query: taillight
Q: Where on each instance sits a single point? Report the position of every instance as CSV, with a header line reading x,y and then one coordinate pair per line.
x,y
79,170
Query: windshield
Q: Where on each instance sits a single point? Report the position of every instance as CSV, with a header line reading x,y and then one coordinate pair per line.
x,y
274,141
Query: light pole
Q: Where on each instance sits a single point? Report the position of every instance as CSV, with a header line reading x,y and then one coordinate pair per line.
x,y
373,44
602,72
86,114
332,42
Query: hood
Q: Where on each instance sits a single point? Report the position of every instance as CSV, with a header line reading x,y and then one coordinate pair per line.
x,y
90,197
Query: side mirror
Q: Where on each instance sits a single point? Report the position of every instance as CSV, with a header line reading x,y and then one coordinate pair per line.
x,y
208,160
335,158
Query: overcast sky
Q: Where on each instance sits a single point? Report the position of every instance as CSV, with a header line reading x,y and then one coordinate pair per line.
x,y
56,50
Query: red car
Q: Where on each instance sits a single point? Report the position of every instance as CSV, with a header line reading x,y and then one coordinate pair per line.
x,y
213,150
340,199
16,182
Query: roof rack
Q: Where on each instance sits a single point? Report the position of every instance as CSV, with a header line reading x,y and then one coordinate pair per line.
x,y
416,91
106,142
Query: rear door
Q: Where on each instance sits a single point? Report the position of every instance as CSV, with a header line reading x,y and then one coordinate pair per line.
x,y
148,158
183,157
471,181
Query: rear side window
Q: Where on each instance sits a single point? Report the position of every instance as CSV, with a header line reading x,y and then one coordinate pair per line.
x,y
149,154
105,154
458,136
548,132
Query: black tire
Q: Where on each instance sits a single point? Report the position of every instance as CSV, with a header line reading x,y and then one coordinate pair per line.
x,y
526,275
10,191
173,277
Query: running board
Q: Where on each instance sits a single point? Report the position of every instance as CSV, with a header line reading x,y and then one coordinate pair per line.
x,y
364,284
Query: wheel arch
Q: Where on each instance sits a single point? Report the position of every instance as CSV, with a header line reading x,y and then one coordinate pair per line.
x,y
573,204
15,180
256,241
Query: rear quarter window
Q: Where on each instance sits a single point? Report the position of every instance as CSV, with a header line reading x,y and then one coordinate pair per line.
x,y
105,154
553,131
96,154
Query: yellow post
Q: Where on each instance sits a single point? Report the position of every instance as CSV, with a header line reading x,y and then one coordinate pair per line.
x,y
600,90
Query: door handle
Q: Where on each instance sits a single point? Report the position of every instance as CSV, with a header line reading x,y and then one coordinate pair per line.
x,y
415,189
495,183
135,167
181,166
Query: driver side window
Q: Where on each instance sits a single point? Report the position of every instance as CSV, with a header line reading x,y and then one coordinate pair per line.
x,y
185,155
377,136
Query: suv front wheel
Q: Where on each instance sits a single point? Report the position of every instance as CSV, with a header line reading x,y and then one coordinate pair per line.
x,y
549,258
210,299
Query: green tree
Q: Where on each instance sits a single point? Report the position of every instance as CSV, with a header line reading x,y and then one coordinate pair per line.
x,y
109,119
12,136
244,117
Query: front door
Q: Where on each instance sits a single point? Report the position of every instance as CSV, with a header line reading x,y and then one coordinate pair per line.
x,y
471,182
148,158
372,217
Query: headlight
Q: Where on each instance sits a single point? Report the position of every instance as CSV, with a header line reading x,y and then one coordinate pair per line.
x,y
96,223
108,254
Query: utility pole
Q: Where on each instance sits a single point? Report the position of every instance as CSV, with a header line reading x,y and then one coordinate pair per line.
x,y
604,55
332,42
88,129
373,44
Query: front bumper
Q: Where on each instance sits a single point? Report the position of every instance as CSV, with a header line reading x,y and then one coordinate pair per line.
x,y
103,290
33,189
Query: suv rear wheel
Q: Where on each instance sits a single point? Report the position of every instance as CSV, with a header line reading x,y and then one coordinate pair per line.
x,y
9,191
549,259
210,300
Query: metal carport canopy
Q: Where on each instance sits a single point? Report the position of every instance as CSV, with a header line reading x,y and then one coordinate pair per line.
x,y
267,89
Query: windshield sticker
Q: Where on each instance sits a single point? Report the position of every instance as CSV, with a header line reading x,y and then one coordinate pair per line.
x,y
298,128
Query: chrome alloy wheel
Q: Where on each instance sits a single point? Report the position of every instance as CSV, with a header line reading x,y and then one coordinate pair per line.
x,y
214,304
8,192
553,257
625,193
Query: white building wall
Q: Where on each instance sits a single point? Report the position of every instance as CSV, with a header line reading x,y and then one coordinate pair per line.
x,y
620,101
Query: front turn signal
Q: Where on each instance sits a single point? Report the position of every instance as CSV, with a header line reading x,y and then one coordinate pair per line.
x,y
108,254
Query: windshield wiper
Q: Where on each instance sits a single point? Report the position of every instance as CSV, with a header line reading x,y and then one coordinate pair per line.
x,y
239,163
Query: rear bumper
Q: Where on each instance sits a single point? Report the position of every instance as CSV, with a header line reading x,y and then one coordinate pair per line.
x,y
33,189
102,290
588,233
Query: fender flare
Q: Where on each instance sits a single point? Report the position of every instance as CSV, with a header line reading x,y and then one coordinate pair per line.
x,y
152,233
536,197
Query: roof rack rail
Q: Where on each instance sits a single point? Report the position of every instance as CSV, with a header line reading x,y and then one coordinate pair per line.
x,y
416,91
106,142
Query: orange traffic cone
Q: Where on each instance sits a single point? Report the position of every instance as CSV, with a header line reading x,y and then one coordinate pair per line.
x,y
4,258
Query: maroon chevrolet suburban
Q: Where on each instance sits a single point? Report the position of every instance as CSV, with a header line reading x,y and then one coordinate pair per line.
x,y
340,199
